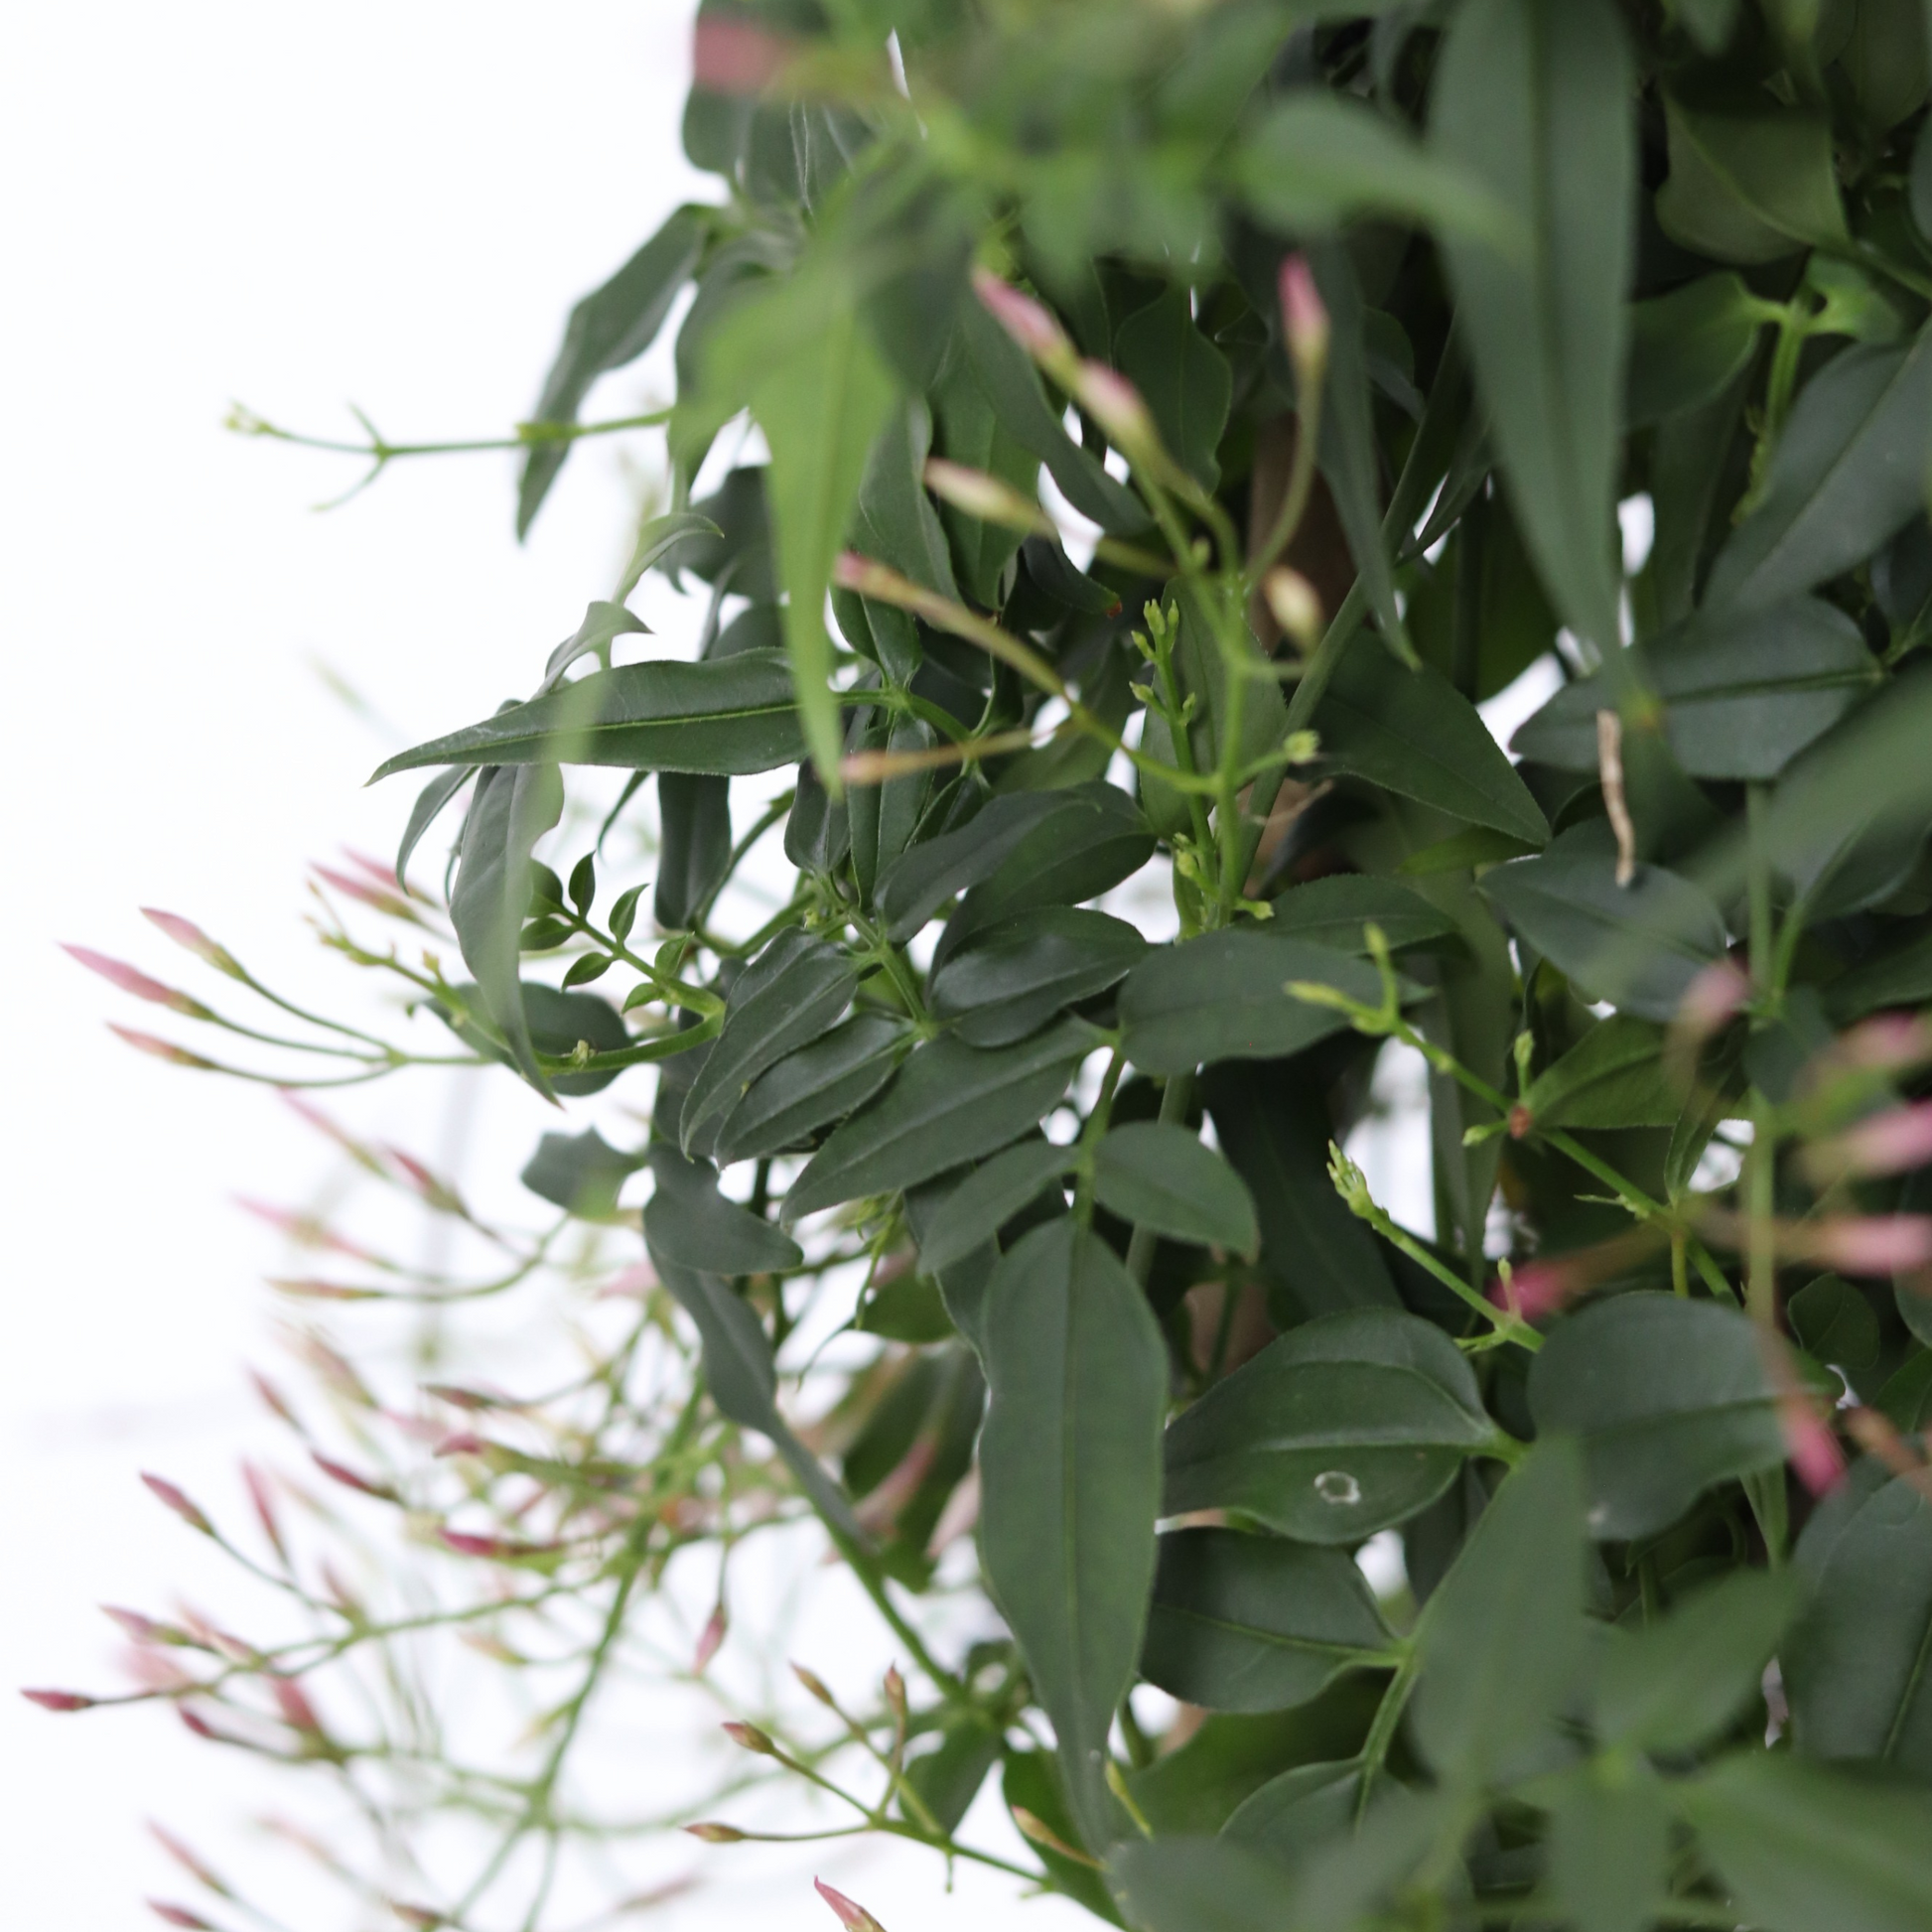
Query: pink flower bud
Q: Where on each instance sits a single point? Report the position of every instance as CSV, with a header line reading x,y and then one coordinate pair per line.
x,y
853,1917
852,572
1540,1288
464,1443
750,1738
187,1859
143,1629
59,1699
185,932
1811,1445
815,1685
1025,320
179,1503
1888,1042
391,903
1304,318
709,1640
1118,407
163,1050
985,497
293,1703
1872,1244
714,1834
179,1915
1718,991
130,979
733,57
1887,1143
347,1477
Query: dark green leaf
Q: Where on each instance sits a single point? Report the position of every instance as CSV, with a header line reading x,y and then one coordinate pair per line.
x,y
425,812
1010,979
1638,946
1343,1426
1318,1257
1689,346
813,1086
1673,1685
664,543
610,326
559,1023
1503,1637
1609,1851
725,717
694,845
1299,1812
603,624
928,875
1847,473
907,1309
580,1173
1413,733
1834,1323
1744,692
1856,1669
1807,1850
1332,913
1222,997
1750,181
989,1197
1183,379
1159,1175
1536,103
1901,977
1070,1468
1668,1397
689,1223
1196,1885
949,1103
786,997
1249,1624
1613,1077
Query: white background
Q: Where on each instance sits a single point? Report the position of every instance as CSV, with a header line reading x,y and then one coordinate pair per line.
x,y
392,203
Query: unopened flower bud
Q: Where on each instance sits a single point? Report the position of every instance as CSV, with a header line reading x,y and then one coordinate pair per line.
x,y
293,1703
349,1480
1888,1142
186,934
895,1693
163,1050
1305,320
750,1738
179,1915
1118,407
1872,1244
716,1834
1025,320
59,1699
989,499
709,1638
852,1915
179,1503
815,1684
1296,607
130,979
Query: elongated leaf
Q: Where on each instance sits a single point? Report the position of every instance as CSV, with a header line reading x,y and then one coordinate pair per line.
x,y
1847,473
1070,1474
725,717
1503,1636
694,845
1535,100
1613,1077
428,808
950,1103
1901,977
921,880
610,326
1248,1623
1159,1175
1858,1667
1807,1850
1198,1884
1183,377
1294,1814
603,624
1746,185
1314,161
1638,946
1340,1427
689,1222
1413,733
1332,913
808,1090
1010,979
510,810
1609,1851
1689,346
1667,1396
1744,692
785,999
989,1197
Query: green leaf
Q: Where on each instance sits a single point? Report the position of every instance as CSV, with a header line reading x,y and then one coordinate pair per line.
x,y
665,543
1314,161
813,1086
1181,376
1248,1623
1332,913
1668,1397
1413,733
1503,1637
1750,181
1071,1471
1858,1667
1609,1853
1274,1128
1337,1428
788,996
603,624
927,876
1536,102
1807,1850
694,845
948,1104
428,808
1299,1812
969,433
1689,346
989,1197
1009,980
725,717
510,810
1638,946
690,1224
1673,1685
1613,1077
1032,1781
580,1173
1222,997
1744,692
559,1021
1196,1885
1157,1176
610,326
1847,473
1901,977
1834,1323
